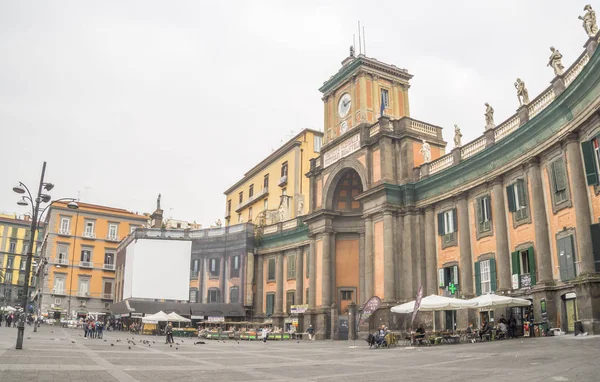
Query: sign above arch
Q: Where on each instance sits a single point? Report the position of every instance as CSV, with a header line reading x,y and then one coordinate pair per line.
x,y
342,150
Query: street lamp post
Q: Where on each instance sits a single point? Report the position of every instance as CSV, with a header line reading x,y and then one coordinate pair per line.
x,y
35,204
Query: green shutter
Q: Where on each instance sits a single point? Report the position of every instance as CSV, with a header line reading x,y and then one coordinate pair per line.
x,y
596,244
455,219
441,224
493,284
477,279
522,193
591,174
558,170
531,265
441,282
516,266
489,207
479,210
455,279
510,196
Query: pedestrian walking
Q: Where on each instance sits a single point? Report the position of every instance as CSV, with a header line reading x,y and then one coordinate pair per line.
x,y
169,331
265,335
311,332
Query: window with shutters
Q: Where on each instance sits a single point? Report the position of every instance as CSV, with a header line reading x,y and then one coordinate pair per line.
x,y
213,267
271,269
523,268
559,184
448,279
291,266
591,159
483,210
193,295
484,268
447,226
214,295
234,294
289,301
485,274
518,204
270,303
567,261
235,266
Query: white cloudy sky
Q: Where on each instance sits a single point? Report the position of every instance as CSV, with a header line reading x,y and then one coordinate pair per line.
x,y
126,99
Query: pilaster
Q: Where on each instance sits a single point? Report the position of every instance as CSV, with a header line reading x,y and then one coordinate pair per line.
x,y
430,252
259,285
501,233
299,295
464,242
369,281
388,257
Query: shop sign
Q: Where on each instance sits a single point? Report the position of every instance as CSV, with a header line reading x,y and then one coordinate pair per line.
x,y
197,317
216,319
137,315
298,309
342,150
117,316
124,315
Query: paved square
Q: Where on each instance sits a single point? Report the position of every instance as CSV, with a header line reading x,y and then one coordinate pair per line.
x,y
57,354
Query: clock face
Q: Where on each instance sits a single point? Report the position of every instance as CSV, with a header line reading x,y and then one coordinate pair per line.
x,y
344,127
344,105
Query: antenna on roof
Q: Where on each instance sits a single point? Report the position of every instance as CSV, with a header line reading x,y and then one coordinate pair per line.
x,y
364,42
359,44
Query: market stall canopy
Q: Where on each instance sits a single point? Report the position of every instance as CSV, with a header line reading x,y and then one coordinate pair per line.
x,y
154,318
8,309
433,303
494,300
174,317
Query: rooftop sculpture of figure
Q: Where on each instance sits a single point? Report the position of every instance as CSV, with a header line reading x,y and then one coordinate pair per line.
x,y
457,136
158,202
556,62
426,151
489,116
522,93
589,21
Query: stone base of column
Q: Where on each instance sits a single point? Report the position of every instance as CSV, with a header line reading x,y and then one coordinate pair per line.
x,y
259,317
322,324
503,291
588,303
548,293
334,327
307,320
278,320
463,318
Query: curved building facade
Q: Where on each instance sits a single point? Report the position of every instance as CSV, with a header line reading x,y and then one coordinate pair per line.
x,y
514,212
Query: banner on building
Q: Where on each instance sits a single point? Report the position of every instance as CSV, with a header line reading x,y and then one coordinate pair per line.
x,y
369,308
417,305
216,319
298,309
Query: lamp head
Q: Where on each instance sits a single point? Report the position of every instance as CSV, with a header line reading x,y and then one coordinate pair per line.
x,y
22,203
19,189
73,205
48,186
46,198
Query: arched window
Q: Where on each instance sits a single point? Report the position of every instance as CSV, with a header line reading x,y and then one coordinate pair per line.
x,y
346,191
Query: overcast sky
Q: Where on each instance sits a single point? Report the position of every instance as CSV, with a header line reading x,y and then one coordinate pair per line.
x,y
126,99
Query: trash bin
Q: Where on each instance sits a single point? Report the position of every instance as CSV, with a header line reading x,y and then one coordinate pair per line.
x,y
578,327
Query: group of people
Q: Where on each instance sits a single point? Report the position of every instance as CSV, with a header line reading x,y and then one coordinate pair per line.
x,y
504,329
8,318
93,329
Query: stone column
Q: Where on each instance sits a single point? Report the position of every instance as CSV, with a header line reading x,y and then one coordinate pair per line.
x,y
299,295
279,280
361,269
312,274
430,253
501,233
389,286
332,264
326,274
581,204
464,242
406,267
543,255
368,258
260,262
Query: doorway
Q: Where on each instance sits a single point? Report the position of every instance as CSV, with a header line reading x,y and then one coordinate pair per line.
x,y
570,311
450,319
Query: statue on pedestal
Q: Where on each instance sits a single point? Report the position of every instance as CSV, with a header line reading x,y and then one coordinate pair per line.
x,y
158,202
457,136
489,116
589,21
556,62
218,223
426,151
522,93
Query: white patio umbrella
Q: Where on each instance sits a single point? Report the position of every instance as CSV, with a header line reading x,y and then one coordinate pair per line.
x,y
8,309
157,317
177,318
494,300
434,303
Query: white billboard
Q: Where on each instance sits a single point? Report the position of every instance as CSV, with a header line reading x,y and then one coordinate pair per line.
x,y
157,269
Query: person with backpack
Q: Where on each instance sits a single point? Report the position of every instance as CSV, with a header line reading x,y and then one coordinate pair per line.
x,y
169,331
311,332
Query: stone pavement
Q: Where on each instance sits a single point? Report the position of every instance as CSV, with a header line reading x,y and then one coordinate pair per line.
x,y
57,354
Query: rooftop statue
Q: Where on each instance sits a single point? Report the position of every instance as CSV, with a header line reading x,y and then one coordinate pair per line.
x,y
489,116
457,136
589,21
556,62
522,93
426,151
158,202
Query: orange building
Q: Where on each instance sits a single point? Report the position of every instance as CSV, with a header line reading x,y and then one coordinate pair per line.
x,y
80,247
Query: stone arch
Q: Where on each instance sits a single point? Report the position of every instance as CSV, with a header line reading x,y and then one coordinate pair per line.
x,y
337,174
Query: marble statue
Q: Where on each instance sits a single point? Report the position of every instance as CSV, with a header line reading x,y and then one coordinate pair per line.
x,y
589,21
489,116
300,208
158,202
556,62
218,223
351,50
426,151
457,136
522,93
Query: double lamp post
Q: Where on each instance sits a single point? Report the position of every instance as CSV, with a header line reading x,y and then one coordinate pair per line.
x,y
35,204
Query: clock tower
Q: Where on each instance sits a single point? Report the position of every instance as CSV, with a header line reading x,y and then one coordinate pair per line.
x,y
355,94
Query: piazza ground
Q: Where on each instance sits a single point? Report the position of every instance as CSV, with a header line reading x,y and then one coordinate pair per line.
x,y
50,355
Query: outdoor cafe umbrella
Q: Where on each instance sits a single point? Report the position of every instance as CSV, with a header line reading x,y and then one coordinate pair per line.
x,y
494,300
155,318
434,303
174,317
8,309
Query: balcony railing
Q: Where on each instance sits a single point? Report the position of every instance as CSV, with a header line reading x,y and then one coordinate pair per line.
x,y
109,267
86,264
90,235
283,181
107,296
193,274
112,237
59,292
83,294
65,232
252,199
62,261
